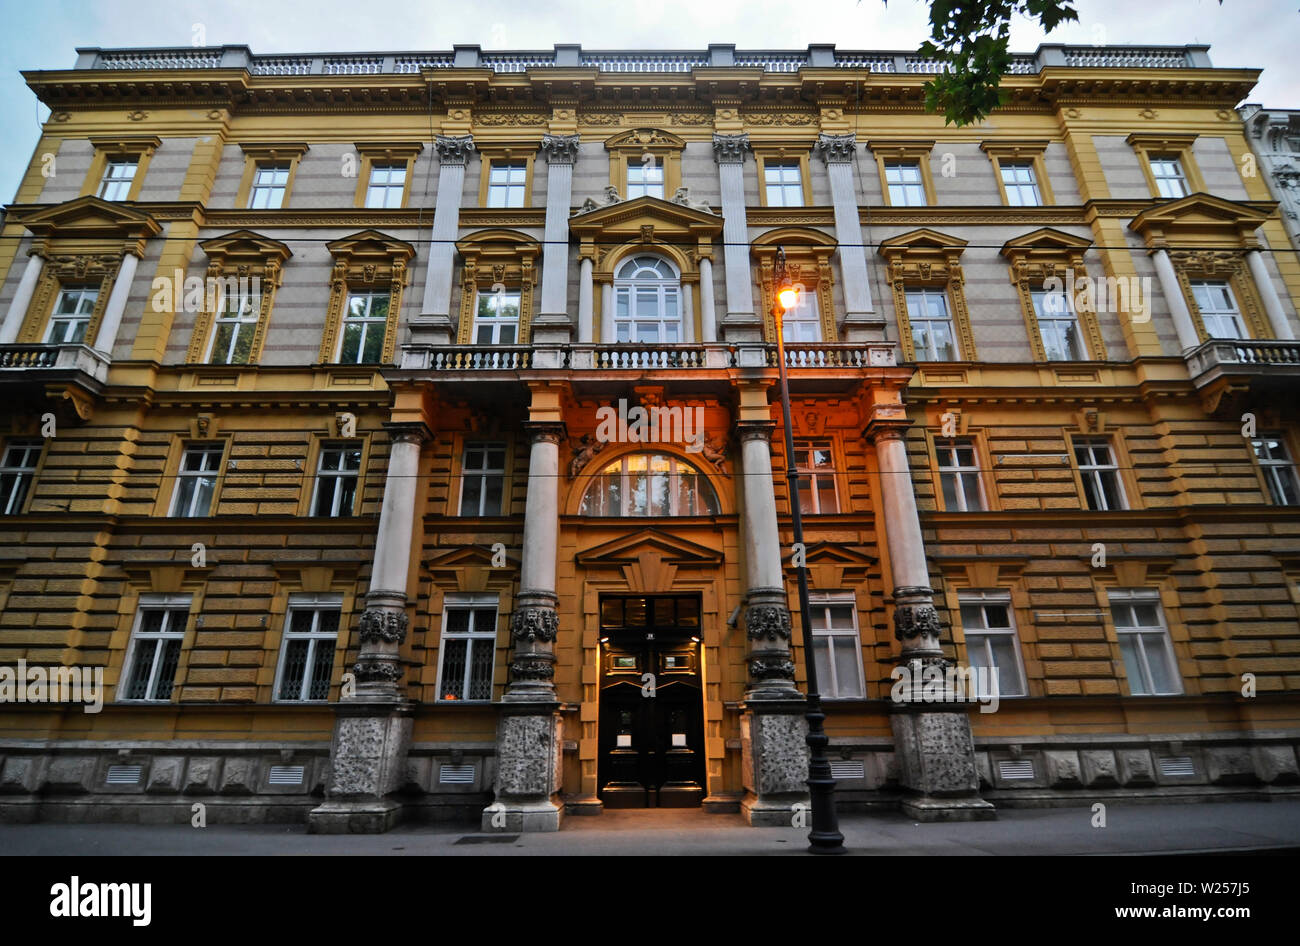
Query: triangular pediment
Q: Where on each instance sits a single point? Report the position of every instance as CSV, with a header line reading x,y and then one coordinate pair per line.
x,y
629,217
1045,239
921,240
646,544
1200,211
370,243
91,217
468,556
831,553
245,244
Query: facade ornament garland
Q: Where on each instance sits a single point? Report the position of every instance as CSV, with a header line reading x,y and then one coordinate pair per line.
x,y
560,149
730,149
533,624
771,668
454,150
533,667
378,670
382,625
837,149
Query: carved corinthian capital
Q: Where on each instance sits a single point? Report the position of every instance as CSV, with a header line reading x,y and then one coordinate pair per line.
x,y
453,150
836,148
730,149
560,149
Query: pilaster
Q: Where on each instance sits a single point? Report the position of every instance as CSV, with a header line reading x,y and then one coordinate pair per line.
x,y
740,322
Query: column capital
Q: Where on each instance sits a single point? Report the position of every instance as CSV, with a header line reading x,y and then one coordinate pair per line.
x,y
836,149
560,149
730,149
747,430
409,432
453,150
545,431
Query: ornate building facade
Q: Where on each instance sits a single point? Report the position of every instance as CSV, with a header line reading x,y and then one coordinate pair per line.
x,y
396,436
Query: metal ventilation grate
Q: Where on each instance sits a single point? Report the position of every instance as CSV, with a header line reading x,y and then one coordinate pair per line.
x,y
124,775
456,774
286,775
1015,768
848,769
1177,765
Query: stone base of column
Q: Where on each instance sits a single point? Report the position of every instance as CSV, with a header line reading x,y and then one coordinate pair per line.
x,y
773,739
367,762
863,327
741,327
431,330
936,764
529,746
551,329
583,805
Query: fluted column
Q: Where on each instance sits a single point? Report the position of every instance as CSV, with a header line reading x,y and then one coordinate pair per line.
x,y
17,311
708,315
434,326
552,323
1173,293
116,305
1268,295
740,322
585,316
838,152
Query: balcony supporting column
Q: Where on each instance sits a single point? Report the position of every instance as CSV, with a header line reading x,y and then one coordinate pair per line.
x,y
372,727
861,323
552,324
708,315
116,306
585,316
433,325
1268,295
740,323
1173,293
932,740
17,311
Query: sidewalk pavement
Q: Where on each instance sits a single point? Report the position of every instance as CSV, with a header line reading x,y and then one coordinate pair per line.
x,y
1224,827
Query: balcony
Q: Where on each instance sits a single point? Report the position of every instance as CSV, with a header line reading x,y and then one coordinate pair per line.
x,y
52,362
1260,368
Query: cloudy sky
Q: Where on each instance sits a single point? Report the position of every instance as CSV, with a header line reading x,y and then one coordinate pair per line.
x,y
44,34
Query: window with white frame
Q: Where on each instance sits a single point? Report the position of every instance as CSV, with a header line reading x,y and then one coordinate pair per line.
x,y
959,475
196,480
387,185
816,466
649,484
234,327
645,178
483,479
931,323
1167,171
906,185
1279,470
270,181
506,180
155,650
468,647
336,479
803,323
784,183
1058,326
837,646
1020,184
17,470
1218,308
365,322
647,301
496,317
118,175
1144,641
991,643
1100,474
311,633
71,318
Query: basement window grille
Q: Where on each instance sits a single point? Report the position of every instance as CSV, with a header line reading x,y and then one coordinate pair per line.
x,y
124,775
456,774
848,769
285,775
1177,765
1011,769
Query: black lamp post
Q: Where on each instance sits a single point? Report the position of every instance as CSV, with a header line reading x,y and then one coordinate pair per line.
x,y
825,837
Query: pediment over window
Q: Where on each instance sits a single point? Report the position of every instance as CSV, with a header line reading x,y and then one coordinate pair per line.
x,y
371,246
922,240
1045,241
645,138
91,218
646,543
832,565
630,217
470,568
245,248
1202,218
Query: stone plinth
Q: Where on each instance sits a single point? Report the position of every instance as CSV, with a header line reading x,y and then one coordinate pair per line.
x,y
529,747
936,764
773,738
367,760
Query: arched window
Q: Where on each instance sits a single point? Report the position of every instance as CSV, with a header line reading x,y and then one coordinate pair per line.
x,y
647,301
649,484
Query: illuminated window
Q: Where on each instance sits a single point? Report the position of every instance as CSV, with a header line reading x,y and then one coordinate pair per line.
x,y
649,484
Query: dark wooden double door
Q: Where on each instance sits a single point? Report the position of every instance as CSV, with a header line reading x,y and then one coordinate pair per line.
x,y
651,744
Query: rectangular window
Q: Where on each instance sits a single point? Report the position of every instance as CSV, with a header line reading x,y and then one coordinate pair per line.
x,y
959,475
803,323
1020,184
469,639
1144,642
387,185
483,479
234,328
506,180
336,480
932,335
1279,470
906,186
71,316
991,643
365,323
645,179
156,647
784,183
116,182
837,648
270,181
1057,325
1100,475
1218,308
196,481
496,318
816,467
17,470
311,631
1167,170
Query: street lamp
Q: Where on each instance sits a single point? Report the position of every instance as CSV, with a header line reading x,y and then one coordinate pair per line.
x,y
825,837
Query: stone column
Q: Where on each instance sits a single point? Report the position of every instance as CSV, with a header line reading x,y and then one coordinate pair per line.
x,y
860,320
553,324
708,316
13,321
372,728
740,322
1267,294
933,741
529,734
688,314
1173,293
433,326
607,333
116,305
585,316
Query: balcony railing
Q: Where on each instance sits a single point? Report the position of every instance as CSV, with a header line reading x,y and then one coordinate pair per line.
x,y
83,358
829,356
614,357
836,355
480,358
1244,355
